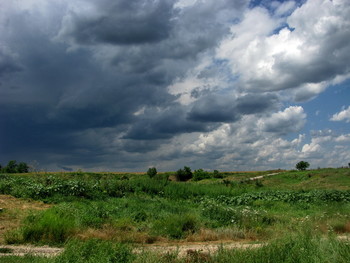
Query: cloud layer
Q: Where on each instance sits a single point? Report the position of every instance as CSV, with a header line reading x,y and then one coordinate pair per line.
x,y
106,85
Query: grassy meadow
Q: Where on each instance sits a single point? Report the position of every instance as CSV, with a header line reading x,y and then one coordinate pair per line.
x,y
100,217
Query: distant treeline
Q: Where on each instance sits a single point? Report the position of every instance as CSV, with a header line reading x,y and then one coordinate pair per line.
x,y
14,167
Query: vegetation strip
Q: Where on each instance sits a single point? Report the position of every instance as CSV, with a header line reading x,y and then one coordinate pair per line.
x,y
109,215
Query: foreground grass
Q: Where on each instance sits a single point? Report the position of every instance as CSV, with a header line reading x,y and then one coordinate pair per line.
x,y
130,208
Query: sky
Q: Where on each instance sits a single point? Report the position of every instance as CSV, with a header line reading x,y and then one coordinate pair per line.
x,y
120,85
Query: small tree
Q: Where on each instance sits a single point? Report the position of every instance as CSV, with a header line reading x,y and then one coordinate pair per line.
x,y
11,167
22,168
301,166
184,174
152,172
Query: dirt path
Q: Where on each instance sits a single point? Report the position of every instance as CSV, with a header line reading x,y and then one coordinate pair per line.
x,y
196,248
261,176
182,249
186,249
45,251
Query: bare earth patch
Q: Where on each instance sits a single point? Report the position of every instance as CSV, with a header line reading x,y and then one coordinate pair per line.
x,y
183,249
44,251
195,248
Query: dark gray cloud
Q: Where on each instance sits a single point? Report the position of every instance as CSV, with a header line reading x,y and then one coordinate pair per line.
x,y
8,63
121,22
66,168
257,103
86,84
164,125
214,108
226,108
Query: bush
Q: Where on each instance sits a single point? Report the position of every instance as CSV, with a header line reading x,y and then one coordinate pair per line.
x,y
176,226
200,174
217,174
14,167
184,174
152,172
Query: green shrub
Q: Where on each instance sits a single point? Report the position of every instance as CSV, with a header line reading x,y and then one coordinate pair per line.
x,y
184,174
152,172
200,174
217,174
117,188
14,167
176,226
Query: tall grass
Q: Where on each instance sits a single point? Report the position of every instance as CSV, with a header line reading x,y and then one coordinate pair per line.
x,y
52,226
93,250
295,248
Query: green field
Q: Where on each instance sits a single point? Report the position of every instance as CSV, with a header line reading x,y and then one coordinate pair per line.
x,y
102,216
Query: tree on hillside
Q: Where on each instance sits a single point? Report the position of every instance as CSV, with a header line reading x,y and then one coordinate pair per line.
x,y
301,166
184,174
152,172
22,168
11,167
14,167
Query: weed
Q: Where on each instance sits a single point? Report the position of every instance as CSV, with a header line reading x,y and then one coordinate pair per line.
x,y
176,226
95,251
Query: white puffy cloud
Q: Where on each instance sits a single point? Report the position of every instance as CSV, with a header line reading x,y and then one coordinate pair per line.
x,y
344,115
245,146
311,148
292,119
343,138
308,53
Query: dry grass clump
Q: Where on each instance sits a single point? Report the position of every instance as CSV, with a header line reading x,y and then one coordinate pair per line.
x,y
222,234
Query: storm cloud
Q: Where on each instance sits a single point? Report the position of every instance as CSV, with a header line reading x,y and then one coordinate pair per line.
x,y
105,85
120,22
